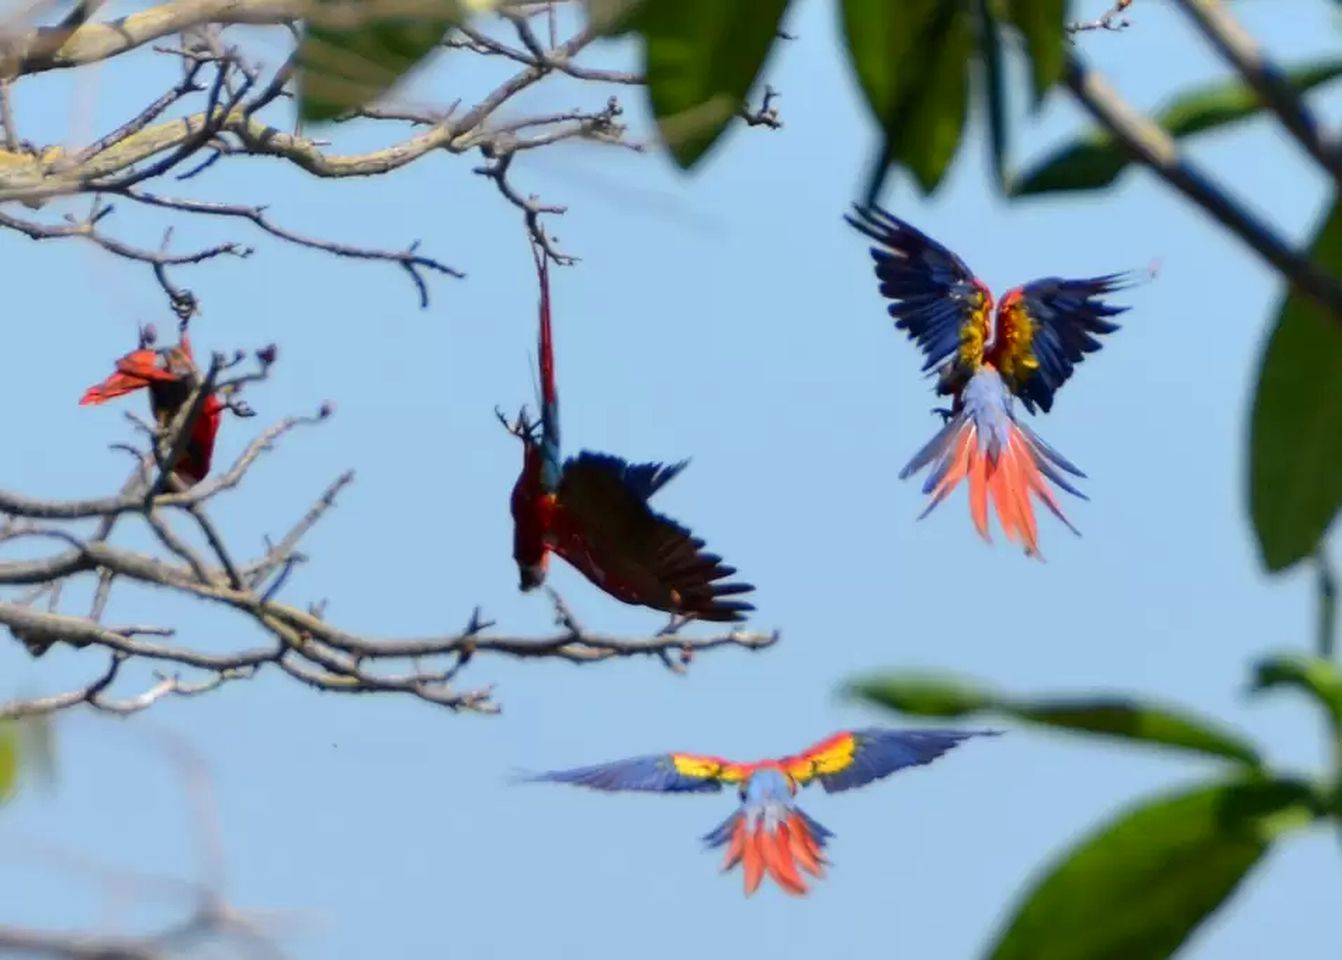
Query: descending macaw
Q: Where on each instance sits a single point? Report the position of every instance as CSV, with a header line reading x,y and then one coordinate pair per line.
x,y
1041,331
170,374
769,832
593,511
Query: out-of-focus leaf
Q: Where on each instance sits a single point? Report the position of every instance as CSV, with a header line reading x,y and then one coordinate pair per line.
x,y
912,62
1141,884
1043,23
924,695
1096,160
995,82
352,53
1295,441
701,59
1319,678
9,760
929,696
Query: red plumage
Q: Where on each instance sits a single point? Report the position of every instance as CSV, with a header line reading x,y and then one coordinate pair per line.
x,y
170,375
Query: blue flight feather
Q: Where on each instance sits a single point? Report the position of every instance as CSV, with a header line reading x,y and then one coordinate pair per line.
x,y
881,752
652,774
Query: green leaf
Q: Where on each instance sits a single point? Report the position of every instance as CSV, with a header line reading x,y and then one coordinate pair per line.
x,y
351,54
924,695
929,696
1320,678
701,59
9,760
1141,884
1096,160
1295,439
1043,24
912,62
995,89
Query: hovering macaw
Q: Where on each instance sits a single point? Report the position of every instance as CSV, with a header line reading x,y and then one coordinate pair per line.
x,y
1041,331
593,511
170,374
769,832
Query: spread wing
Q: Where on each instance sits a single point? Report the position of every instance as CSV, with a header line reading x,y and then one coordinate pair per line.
x,y
857,757
135,371
604,527
660,773
937,299
1046,327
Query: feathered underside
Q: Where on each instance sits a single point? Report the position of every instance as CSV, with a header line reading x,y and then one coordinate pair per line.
x,y
605,528
1004,461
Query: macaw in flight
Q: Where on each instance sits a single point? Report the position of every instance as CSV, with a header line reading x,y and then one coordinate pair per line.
x,y
1041,331
593,511
769,832
170,374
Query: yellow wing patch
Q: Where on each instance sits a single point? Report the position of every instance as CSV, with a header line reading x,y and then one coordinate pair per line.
x,y
828,756
974,331
707,768
1013,353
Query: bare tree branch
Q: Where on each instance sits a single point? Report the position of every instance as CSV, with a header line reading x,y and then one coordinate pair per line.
x,y
167,138
1155,148
304,644
1266,79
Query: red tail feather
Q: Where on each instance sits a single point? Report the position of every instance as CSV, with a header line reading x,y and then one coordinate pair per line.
x,y
752,860
779,861
1007,482
778,853
737,847
804,848
549,393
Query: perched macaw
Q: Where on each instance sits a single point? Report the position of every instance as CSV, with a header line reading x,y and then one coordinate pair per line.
x,y
769,832
1042,330
593,511
170,374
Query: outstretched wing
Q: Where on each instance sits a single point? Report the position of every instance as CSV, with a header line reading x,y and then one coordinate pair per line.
x,y
135,371
660,773
1046,327
938,300
857,757
604,527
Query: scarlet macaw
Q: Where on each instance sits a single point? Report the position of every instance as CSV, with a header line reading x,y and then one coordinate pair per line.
x,y
1042,330
769,832
593,511
171,375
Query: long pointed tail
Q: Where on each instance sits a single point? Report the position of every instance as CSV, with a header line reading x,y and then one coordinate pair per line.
x,y
1004,461
773,841
549,392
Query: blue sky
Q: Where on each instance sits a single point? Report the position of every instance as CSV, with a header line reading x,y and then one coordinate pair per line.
x,y
729,316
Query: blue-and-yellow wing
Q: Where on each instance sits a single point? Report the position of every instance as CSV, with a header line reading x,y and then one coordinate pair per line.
x,y
1046,327
857,757
659,773
937,299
